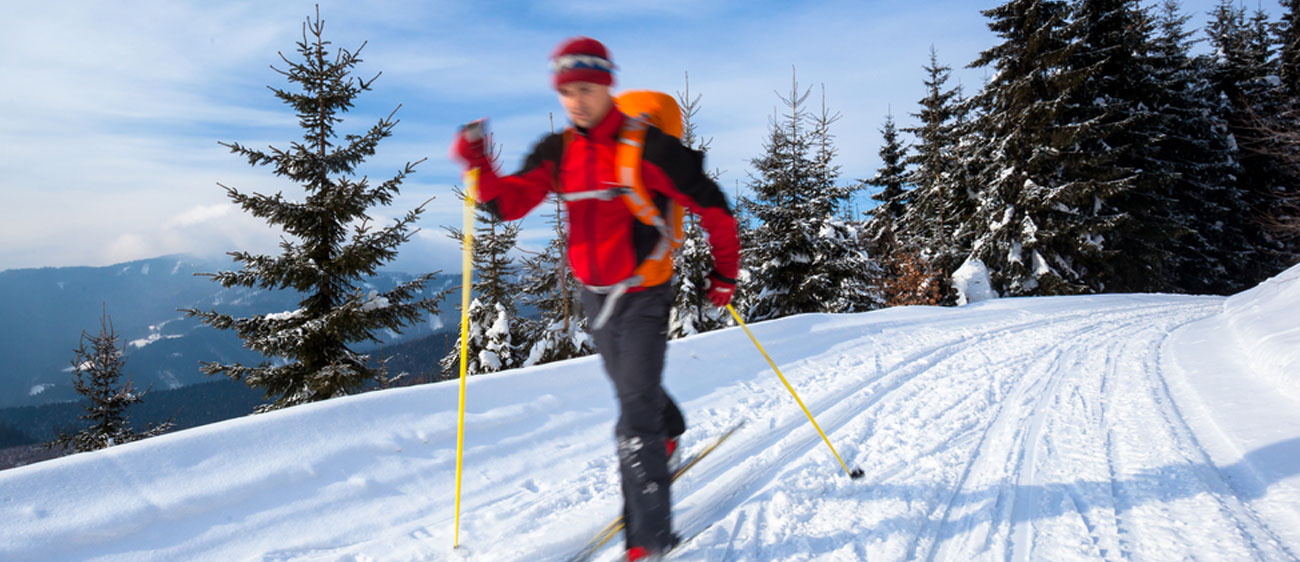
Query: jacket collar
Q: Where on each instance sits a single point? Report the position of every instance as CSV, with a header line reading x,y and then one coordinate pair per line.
x,y
607,128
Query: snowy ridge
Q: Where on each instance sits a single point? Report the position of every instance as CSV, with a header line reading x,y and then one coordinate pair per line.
x,y
1079,428
1269,336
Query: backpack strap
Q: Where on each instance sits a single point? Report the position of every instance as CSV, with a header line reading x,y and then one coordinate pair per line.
x,y
630,186
628,160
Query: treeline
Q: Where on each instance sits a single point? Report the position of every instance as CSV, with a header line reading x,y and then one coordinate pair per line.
x,y
1103,155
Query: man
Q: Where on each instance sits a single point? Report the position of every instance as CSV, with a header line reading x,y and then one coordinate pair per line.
x,y
607,243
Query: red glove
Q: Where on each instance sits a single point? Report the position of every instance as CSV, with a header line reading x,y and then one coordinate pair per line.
x,y
468,146
720,289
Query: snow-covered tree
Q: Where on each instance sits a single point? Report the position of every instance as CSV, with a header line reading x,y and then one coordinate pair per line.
x,y
693,312
938,203
498,335
548,286
98,371
1020,108
801,256
1287,34
1111,222
1246,78
891,178
1195,155
331,245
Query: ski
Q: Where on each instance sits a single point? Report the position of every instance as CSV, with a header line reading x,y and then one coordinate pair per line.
x,y
612,530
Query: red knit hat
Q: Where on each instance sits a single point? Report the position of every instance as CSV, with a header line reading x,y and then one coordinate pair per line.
x,y
582,59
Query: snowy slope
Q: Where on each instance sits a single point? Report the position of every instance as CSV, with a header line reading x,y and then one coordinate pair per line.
x,y
1141,427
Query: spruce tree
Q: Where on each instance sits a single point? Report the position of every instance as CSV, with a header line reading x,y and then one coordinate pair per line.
x,y
331,246
801,257
891,178
498,335
548,286
847,267
1287,34
1193,150
937,205
1115,208
1020,108
1245,78
98,371
1284,219
693,312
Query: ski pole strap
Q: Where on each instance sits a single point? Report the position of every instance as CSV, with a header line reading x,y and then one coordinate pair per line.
x,y
612,294
606,194
852,473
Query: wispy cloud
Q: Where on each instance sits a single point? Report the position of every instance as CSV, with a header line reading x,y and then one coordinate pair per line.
x,y
108,142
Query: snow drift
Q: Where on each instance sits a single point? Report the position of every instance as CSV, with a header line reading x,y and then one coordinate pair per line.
x,y
1266,323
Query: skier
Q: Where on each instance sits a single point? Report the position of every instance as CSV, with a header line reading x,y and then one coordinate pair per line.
x,y
608,247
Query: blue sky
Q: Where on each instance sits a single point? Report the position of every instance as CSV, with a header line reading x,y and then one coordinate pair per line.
x,y
113,110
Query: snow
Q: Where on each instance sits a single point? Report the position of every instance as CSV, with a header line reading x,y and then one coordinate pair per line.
x,y
1271,341
155,335
1040,264
972,283
375,301
286,315
1113,427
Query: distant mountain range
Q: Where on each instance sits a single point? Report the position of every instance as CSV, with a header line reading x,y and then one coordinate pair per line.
x,y
44,311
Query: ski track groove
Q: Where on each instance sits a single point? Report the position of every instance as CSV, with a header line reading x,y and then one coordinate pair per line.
x,y
939,518
1023,387
1178,432
1170,321
1251,526
844,409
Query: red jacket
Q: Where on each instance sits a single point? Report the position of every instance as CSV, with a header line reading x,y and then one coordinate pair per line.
x,y
606,242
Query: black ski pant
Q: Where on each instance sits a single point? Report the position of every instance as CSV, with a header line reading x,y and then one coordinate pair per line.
x,y
632,344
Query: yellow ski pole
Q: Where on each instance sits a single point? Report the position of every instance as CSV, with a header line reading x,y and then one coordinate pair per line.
x,y
855,473
467,278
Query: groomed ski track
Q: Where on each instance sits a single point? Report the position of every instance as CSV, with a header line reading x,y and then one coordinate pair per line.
x,y
1070,428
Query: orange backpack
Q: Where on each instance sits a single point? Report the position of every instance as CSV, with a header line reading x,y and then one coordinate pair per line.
x,y
661,110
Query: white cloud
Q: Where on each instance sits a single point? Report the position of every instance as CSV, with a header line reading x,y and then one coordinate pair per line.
x,y
110,133
200,214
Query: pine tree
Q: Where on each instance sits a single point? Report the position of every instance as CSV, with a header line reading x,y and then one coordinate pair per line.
x,y
936,205
693,312
1193,150
548,286
846,265
891,178
1020,108
98,377
497,333
1245,78
970,157
802,258
1284,219
1116,201
885,220
312,346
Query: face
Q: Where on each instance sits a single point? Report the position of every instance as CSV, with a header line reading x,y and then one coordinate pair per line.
x,y
585,103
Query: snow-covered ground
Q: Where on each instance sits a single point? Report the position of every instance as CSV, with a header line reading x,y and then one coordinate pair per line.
x,y
1144,427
